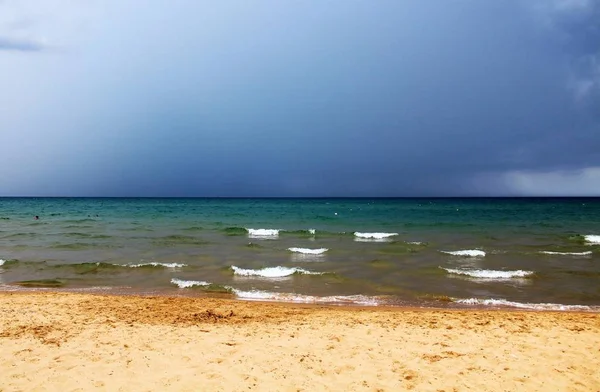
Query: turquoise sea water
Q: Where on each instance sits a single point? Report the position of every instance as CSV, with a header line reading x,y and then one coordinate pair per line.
x,y
530,253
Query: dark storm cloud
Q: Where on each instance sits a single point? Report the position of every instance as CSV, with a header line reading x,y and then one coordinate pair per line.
x,y
576,143
580,32
313,99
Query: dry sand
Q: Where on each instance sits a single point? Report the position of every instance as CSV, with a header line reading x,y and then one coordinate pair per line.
x,y
80,342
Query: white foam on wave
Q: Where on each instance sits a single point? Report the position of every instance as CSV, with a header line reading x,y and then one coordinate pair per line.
x,y
374,236
312,231
259,295
272,272
521,305
2,262
466,253
184,284
254,294
415,243
307,251
547,252
489,274
263,232
153,264
592,239
358,239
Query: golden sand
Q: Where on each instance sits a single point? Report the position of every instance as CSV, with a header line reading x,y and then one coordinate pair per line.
x,y
80,342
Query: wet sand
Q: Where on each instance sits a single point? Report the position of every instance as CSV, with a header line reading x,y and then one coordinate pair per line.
x,y
80,342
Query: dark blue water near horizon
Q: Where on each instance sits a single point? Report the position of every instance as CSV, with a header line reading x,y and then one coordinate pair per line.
x,y
526,252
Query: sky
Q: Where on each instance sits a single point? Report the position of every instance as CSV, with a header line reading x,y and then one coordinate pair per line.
x,y
300,98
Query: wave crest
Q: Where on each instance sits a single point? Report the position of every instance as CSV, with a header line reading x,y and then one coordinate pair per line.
x,y
300,298
307,251
489,274
374,236
154,264
263,233
592,239
466,253
521,305
272,272
184,284
547,252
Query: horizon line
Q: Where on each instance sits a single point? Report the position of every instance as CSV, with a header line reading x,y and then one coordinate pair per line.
x,y
306,197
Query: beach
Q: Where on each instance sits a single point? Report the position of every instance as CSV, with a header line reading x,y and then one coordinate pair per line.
x,y
79,342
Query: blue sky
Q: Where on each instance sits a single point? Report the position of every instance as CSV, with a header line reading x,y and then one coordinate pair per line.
x,y
299,98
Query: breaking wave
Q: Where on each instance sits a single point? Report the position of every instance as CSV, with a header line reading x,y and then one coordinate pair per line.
x,y
235,230
307,251
521,305
2,262
184,284
547,252
466,253
263,233
592,239
204,286
272,272
259,295
374,236
489,274
153,264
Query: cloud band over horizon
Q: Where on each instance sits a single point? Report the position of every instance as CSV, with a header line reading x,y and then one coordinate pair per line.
x,y
306,98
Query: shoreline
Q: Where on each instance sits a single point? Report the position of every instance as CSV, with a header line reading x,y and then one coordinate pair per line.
x,y
301,305
80,341
432,304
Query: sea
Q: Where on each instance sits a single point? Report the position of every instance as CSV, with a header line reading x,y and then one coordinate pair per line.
x,y
523,253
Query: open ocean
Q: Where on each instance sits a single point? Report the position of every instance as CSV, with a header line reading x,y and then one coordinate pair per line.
x,y
532,253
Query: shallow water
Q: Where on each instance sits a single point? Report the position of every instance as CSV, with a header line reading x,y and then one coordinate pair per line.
x,y
424,252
